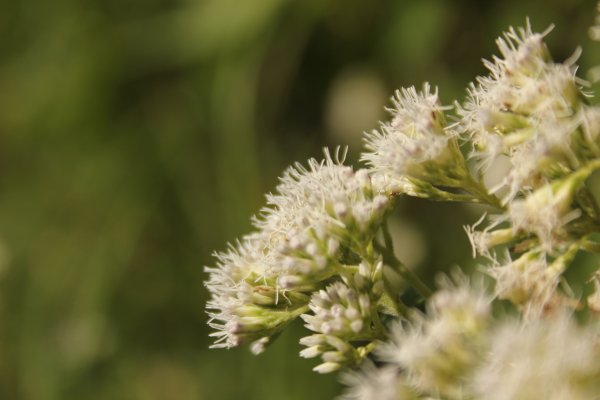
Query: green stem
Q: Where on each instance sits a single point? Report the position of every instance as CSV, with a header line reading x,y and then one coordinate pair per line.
x,y
403,309
387,237
298,311
591,247
561,263
588,168
390,259
587,203
380,331
364,351
477,189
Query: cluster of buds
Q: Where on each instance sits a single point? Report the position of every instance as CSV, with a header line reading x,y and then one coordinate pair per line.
x,y
340,311
341,316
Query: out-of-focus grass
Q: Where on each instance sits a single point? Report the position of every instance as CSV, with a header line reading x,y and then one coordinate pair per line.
x,y
138,136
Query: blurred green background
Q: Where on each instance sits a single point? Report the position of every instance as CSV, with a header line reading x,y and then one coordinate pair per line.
x,y
136,137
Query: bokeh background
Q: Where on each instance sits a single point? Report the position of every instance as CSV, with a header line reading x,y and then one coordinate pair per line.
x,y
137,136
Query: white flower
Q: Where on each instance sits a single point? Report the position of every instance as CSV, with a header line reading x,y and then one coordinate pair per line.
x,y
230,289
526,109
550,358
546,211
265,281
528,282
523,82
315,212
483,241
438,350
415,144
533,153
371,383
244,305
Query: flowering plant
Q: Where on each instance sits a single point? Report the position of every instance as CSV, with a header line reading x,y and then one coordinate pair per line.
x,y
321,249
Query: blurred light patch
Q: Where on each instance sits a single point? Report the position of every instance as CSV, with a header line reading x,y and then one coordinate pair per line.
x,y
163,379
354,105
409,242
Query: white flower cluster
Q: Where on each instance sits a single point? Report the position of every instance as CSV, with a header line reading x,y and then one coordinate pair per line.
x,y
473,358
527,281
338,309
440,347
384,383
341,315
321,250
527,109
530,111
415,144
550,358
417,152
319,216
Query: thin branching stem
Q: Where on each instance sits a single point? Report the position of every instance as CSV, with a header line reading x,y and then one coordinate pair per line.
x,y
390,259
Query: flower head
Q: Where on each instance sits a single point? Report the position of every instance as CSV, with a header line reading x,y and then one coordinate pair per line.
x,y
528,282
439,350
314,214
344,318
371,383
245,305
549,358
525,109
546,211
415,145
